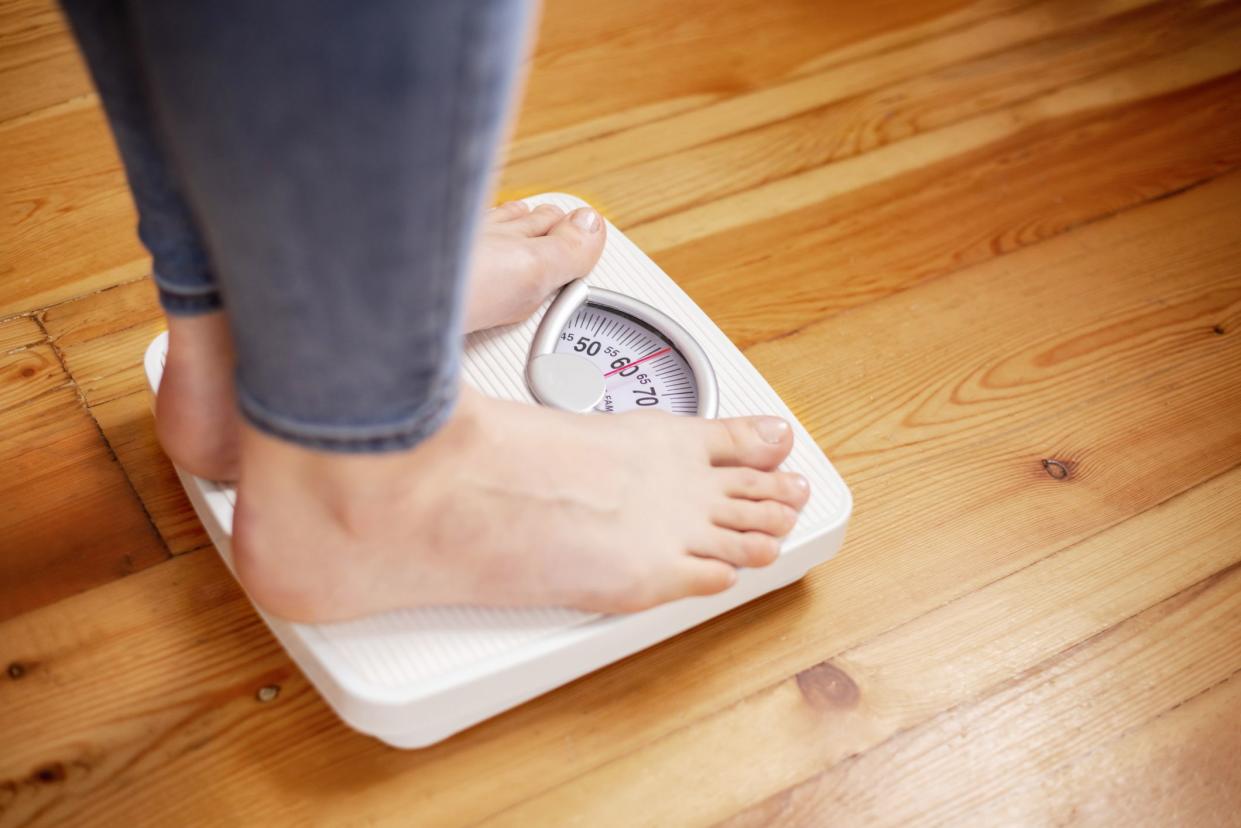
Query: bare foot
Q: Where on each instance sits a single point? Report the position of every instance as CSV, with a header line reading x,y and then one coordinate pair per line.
x,y
196,415
522,256
513,504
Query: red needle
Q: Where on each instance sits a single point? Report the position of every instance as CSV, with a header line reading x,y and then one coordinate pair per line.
x,y
660,352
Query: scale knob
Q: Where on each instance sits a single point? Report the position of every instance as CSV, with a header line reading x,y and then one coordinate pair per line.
x,y
566,381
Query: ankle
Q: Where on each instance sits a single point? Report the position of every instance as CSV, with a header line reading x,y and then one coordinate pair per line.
x,y
280,576
335,481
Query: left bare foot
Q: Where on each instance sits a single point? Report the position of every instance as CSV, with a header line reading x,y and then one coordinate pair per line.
x,y
196,415
523,255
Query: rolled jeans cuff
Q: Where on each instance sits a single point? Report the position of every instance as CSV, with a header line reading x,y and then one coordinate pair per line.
x,y
354,438
186,301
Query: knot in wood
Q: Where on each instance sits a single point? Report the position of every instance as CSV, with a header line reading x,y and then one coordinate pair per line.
x,y
825,686
1056,469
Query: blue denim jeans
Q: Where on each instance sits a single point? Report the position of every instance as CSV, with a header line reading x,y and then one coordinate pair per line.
x,y
316,168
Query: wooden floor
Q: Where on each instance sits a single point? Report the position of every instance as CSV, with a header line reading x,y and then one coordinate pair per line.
x,y
990,253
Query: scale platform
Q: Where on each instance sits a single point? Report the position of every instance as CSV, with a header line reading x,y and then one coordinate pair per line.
x,y
414,677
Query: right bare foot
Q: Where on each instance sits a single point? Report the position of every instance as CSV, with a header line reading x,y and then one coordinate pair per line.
x,y
512,504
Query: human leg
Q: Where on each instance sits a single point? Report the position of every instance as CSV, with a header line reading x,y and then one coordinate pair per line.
x,y
338,162
196,408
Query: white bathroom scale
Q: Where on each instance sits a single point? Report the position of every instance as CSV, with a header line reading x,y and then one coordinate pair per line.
x,y
624,338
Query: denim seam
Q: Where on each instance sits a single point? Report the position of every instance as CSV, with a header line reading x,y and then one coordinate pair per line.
x,y
189,306
183,301
182,290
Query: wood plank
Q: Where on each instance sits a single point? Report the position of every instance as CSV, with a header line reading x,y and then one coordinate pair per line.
x,y
1119,680
1021,337
782,274
70,521
1212,59
533,139
102,339
1181,768
1130,156
63,182
1143,433
108,367
1117,307
118,642
67,181
129,427
39,65
19,332
132,261
1096,59
860,699
872,232
891,73
637,54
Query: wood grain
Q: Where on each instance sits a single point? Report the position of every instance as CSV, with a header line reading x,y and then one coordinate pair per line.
x,y
993,503
1195,745
987,251
64,181
581,141
18,333
645,53
867,697
993,515
883,93
127,425
58,471
873,230
881,239
1057,712
102,339
789,193
39,66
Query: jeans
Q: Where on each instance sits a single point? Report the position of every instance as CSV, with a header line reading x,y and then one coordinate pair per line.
x,y
316,168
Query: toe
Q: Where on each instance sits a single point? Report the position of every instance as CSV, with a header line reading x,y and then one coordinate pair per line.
x,y
747,549
573,246
705,576
537,222
768,516
507,211
758,442
753,484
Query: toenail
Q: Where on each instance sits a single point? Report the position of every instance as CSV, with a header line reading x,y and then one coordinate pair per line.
x,y
801,483
772,429
586,218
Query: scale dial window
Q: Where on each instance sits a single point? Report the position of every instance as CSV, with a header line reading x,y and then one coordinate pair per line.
x,y
642,369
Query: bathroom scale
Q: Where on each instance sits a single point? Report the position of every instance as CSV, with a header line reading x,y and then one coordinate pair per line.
x,y
624,338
